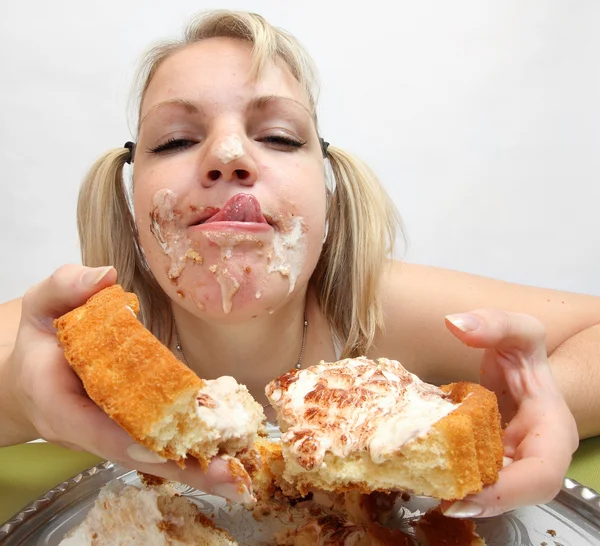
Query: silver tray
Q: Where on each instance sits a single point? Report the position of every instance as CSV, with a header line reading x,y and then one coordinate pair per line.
x,y
572,519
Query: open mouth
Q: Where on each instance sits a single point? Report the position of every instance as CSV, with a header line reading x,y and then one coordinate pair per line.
x,y
242,207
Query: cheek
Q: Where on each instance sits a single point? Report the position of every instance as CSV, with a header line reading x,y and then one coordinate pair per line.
x,y
148,183
301,189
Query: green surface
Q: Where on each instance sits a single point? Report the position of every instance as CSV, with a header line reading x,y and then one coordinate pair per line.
x,y
27,471
585,467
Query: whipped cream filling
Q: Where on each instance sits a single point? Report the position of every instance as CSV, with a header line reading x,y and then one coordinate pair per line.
x,y
354,405
219,406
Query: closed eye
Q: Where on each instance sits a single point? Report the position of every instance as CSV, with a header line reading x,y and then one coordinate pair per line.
x,y
282,141
173,144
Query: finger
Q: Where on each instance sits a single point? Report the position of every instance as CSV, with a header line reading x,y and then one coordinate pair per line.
x,y
515,360
545,418
546,441
80,422
68,287
218,479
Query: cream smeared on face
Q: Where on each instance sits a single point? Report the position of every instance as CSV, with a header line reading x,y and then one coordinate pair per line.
x,y
289,251
228,272
163,225
228,148
236,258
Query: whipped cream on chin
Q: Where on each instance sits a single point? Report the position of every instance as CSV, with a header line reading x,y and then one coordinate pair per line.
x,y
354,405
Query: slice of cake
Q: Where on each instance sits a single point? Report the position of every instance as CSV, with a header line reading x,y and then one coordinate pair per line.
x,y
366,425
140,384
125,515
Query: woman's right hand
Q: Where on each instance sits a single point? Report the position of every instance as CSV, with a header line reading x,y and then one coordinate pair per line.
x,y
45,399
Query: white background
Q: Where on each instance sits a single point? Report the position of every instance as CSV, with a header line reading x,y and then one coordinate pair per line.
x,y
482,118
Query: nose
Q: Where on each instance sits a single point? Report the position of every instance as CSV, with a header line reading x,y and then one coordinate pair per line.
x,y
228,161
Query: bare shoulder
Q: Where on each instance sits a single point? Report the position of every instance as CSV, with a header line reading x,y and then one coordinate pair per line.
x,y
416,298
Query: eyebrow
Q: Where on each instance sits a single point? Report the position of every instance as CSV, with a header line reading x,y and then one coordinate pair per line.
x,y
258,103
188,106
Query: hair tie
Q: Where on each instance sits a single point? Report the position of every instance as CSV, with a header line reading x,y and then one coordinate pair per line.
x,y
131,147
324,146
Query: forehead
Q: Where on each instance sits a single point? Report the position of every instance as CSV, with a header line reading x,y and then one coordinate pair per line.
x,y
218,71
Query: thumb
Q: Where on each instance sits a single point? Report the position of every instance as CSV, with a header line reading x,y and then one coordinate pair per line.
x,y
68,287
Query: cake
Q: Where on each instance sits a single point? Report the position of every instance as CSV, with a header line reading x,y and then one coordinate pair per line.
x,y
142,386
363,425
126,515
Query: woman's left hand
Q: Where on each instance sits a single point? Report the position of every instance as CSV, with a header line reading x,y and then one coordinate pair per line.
x,y
541,434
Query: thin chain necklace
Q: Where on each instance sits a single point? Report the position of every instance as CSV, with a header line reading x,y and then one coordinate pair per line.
x,y
298,365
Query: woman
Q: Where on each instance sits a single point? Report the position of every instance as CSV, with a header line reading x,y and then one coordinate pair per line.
x,y
247,262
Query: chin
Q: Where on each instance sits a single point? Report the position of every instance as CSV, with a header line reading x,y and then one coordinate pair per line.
x,y
233,274
232,291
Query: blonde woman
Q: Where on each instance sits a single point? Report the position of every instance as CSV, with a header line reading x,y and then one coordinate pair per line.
x,y
248,260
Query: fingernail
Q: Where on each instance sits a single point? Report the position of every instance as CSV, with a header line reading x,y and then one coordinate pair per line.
x,y
463,509
95,275
464,322
142,454
236,492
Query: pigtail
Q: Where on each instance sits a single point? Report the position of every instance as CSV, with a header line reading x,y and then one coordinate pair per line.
x,y
362,222
108,236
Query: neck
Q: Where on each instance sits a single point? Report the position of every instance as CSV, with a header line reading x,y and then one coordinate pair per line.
x,y
253,353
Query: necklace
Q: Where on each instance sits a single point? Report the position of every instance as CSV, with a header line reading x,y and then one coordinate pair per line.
x,y
298,364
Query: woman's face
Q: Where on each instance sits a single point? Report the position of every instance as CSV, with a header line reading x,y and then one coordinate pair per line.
x,y
229,189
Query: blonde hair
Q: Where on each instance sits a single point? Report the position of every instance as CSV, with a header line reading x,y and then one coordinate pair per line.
x,y
361,218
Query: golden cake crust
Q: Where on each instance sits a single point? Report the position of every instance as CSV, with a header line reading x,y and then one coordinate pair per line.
x,y
481,406
140,384
124,368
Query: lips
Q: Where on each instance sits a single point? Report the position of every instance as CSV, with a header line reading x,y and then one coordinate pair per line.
x,y
242,207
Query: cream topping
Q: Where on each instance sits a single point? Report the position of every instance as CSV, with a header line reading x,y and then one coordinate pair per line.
x,y
220,407
354,405
228,148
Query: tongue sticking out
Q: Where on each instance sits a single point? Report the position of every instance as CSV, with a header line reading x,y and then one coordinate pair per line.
x,y
242,207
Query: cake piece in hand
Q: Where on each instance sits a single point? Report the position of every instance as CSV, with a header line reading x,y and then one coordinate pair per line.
x,y
142,386
366,425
